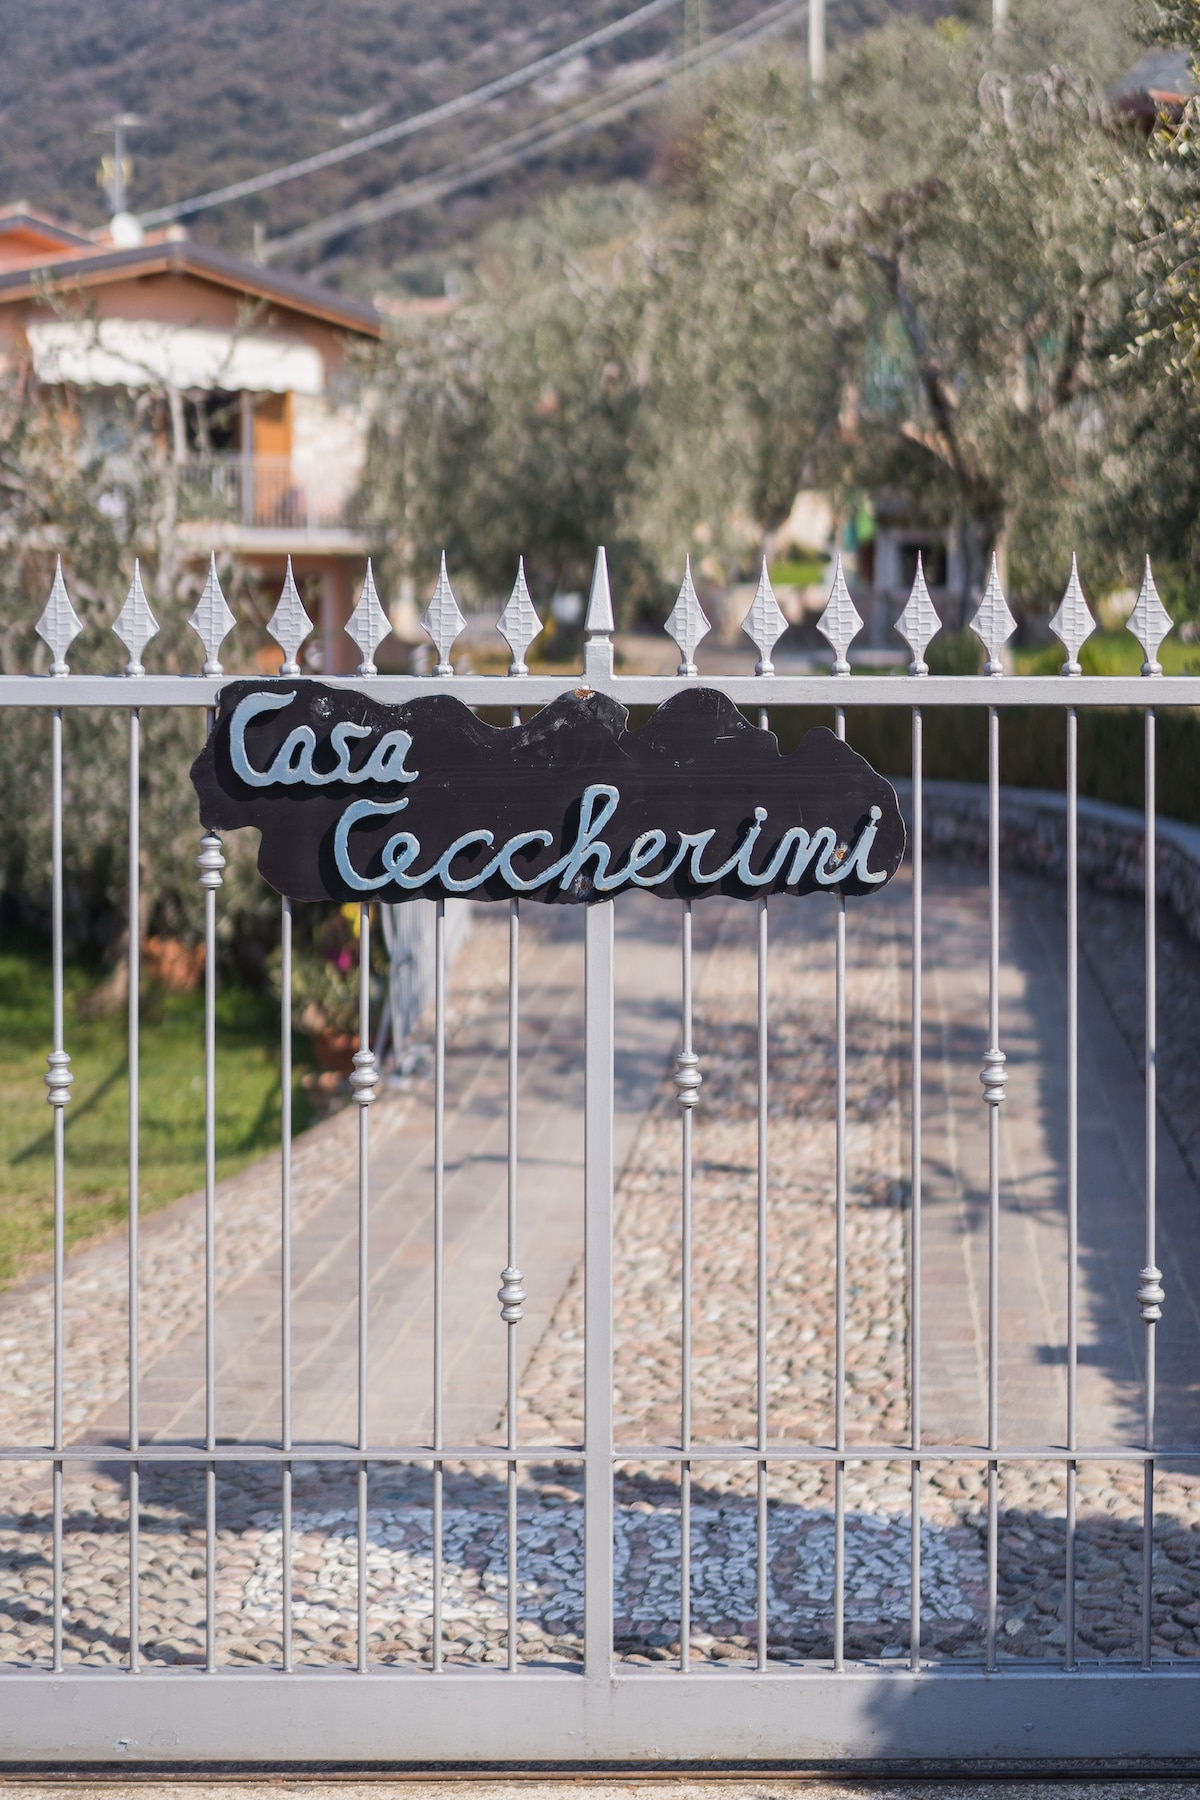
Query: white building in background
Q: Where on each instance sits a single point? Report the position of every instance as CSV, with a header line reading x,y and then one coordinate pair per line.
x,y
257,370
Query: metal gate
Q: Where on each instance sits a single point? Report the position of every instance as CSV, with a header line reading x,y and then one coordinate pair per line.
x,y
697,1692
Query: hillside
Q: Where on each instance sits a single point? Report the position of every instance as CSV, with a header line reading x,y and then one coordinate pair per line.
x,y
237,86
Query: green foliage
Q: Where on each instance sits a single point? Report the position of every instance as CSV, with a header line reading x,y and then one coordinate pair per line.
x,y
919,288
1033,751
512,428
1178,584
955,653
90,478
798,571
1111,653
325,970
97,1119
910,286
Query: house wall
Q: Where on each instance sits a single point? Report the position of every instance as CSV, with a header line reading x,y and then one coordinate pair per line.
x,y
328,446
182,299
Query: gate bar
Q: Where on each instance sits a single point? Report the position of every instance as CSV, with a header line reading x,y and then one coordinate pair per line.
x,y
1072,1170
512,1273
364,1092
285,1274
839,1301
914,1323
761,1298
134,962
210,863
687,1098
439,1243
598,1290
1150,1294
58,1082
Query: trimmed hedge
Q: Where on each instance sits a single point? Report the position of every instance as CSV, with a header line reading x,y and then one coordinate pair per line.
x,y
1033,748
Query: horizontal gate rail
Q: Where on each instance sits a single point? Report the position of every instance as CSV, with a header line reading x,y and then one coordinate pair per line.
x,y
634,690
901,1706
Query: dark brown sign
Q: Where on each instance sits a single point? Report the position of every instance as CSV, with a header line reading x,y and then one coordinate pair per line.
x,y
356,800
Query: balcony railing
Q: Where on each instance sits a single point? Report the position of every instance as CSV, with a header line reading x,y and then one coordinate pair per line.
x,y
263,491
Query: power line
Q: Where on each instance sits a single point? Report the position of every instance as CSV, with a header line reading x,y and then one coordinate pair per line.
x,y
390,134
484,165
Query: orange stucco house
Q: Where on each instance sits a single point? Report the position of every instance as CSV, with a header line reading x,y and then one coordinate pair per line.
x,y
256,369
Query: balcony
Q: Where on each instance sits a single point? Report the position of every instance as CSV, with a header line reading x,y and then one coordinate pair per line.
x,y
264,494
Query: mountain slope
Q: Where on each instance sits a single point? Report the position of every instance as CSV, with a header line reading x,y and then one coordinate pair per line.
x,y
237,86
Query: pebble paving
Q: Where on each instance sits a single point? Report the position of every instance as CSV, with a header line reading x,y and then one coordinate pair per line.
x,y
395,1545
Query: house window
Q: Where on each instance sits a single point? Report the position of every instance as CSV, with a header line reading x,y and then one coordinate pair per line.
x,y
212,424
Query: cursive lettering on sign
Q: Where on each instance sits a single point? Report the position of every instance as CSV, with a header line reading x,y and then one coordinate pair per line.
x,y
831,862
292,764
356,799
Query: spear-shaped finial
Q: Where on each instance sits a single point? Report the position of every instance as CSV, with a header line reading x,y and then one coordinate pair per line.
x,y
58,625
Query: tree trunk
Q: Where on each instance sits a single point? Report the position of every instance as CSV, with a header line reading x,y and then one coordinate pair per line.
x,y
977,535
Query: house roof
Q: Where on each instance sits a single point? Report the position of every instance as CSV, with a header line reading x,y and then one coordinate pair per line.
x,y
81,263
27,236
1161,78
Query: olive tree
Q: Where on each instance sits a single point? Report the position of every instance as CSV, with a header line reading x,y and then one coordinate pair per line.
x,y
512,425
913,284
93,479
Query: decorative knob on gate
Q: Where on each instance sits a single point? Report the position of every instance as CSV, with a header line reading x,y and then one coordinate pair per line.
x,y
362,1081
59,1078
687,1078
1150,1295
511,1296
210,862
993,1076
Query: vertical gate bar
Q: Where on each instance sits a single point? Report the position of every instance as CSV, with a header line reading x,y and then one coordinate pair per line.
x,y
135,983
760,1298
58,1083
914,1338
839,1352
993,1067
687,1095
512,1272
364,1091
439,1194
285,1269
1072,1166
598,1291
1150,1294
211,862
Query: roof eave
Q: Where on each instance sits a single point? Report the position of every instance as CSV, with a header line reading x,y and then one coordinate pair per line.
x,y
187,258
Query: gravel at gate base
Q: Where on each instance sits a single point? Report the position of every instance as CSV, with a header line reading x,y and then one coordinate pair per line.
x,y
799,1542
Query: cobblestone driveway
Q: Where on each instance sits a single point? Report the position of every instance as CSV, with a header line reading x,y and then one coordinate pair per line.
x,y
799,1332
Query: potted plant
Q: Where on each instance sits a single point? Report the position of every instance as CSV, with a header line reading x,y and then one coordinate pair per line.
x,y
325,981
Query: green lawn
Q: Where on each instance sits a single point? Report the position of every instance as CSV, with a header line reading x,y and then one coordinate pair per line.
x,y
1111,653
172,1103
798,571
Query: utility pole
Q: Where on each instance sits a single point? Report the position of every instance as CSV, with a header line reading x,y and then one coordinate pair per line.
x,y
695,25
816,44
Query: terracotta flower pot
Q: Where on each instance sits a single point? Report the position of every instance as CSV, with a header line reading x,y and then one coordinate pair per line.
x,y
335,1050
331,1049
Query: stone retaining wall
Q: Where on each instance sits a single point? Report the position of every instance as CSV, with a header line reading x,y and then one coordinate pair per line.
x,y
1033,835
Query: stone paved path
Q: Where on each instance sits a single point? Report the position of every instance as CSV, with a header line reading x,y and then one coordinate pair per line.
x,y
647,1259
1033,1263
325,1248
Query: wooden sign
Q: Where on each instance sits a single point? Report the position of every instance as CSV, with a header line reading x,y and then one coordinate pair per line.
x,y
356,800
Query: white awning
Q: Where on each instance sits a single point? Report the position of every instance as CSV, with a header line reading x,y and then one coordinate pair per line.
x,y
150,353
